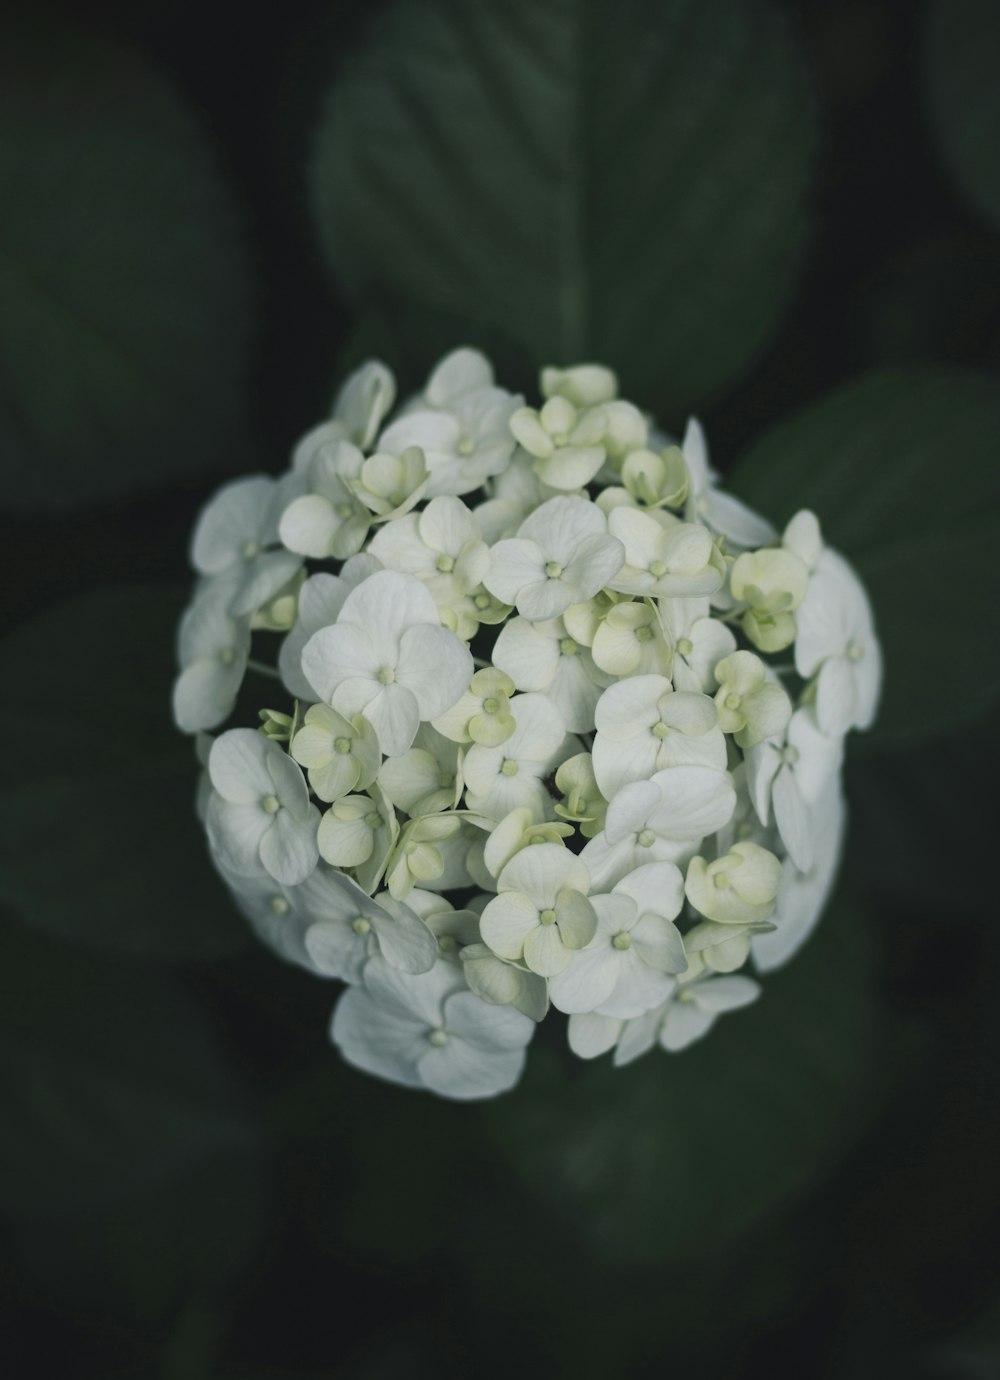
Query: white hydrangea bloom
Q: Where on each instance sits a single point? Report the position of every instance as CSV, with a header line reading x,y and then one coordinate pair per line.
x,y
707,503
464,430
630,964
237,535
562,555
357,413
502,778
429,1031
541,913
792,776
388,657
212,648
347,927
259,817
660,820
541,656
320,600
836,643
644,726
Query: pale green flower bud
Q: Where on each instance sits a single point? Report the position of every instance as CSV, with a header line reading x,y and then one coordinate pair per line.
x,y
584,385
772,583
737,889
656,481
582,800
390,485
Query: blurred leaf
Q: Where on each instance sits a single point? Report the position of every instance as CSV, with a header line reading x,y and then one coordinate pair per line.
x,y
672,1157
921,819
623,181
901,469
960,49
100,840
937,304
130,1165
124,294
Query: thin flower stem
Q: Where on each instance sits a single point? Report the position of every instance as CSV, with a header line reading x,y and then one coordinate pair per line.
x,y
262,669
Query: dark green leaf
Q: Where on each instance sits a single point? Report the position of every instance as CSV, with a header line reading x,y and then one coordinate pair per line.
x,y
671,1157
901,469
129,1161
100,841
960,50
623,181
111,1079
124,299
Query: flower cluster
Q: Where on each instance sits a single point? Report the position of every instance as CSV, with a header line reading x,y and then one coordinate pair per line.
x,y
562,722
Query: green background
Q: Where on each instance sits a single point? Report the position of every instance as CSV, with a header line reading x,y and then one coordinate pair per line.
x,y
784,216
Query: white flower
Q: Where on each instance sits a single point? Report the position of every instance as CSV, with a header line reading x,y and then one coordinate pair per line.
x,y
441,546
260,818
687,1015
348,926
429,1031
644,726
561,555
565,441
736,889
628,966
419,855
836,642
328,519
793,776
425,779
320,600
501,983
482,714
235,534
388,657
359,831
750,703
661,820
340,755
629,641
772,583
803,894
543,657
698,642
499,779
540,914
464,430
357,413
212,646
721,512
664,556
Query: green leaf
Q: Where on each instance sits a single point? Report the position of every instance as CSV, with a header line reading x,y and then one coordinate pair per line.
x,y
901,469
129,1162
673,1157
124,294
921,827
961,41
626,181
100,840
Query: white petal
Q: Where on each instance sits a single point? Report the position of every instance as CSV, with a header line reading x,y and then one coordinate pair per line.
x,y
377,1041
237,764
435,666
515,564
591,1035
234,516
588,981
526,655
288,850
484,1026
458,1069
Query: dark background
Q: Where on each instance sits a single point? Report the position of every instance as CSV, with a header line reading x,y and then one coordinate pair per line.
x,y
193,1186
